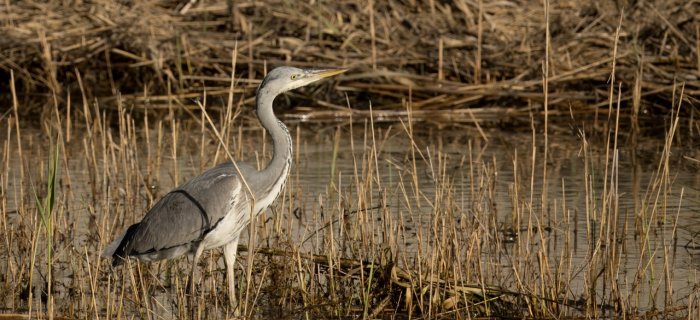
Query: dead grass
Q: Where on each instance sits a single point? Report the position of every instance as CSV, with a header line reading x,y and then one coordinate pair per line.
x,y
379,219
396,221
455,56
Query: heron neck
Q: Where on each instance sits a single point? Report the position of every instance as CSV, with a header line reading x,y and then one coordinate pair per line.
x,y
281,140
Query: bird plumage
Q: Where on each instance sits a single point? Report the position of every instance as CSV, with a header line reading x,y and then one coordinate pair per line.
x,y
183,218
212,209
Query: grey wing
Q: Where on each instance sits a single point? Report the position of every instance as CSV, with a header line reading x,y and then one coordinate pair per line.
x,y
179,220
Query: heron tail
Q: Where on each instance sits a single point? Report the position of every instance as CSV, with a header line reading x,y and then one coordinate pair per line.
x,y
116,249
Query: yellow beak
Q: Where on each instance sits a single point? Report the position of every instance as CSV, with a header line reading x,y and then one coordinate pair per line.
x,y
324,73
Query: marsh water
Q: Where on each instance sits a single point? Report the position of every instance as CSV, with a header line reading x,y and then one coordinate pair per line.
x,y
616,221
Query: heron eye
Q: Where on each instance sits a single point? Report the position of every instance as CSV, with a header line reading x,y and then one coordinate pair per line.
x,y
295,76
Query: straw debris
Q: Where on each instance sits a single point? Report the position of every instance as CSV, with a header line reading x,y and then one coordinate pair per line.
x,y
460,55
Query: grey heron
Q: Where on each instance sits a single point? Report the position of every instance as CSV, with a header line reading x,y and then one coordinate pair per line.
x,y
211,210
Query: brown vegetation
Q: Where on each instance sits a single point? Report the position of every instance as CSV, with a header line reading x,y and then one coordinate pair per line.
x,y
443,54
397,220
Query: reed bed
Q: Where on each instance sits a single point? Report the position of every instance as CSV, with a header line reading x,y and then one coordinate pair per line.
x,y
463,57
395,220
420,217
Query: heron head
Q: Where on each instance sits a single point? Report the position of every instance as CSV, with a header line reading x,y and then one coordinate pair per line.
x,y
283,79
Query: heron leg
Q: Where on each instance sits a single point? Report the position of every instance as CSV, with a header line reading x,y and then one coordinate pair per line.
x,y
230,259
197,254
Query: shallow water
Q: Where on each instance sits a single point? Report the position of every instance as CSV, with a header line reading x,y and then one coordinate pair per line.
x,y
639,202
383,188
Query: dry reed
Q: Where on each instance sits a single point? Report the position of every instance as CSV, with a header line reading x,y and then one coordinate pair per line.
x,y
399,220
451,56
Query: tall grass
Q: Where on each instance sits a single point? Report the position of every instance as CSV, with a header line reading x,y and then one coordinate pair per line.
x,y
45,209
396,220
401,219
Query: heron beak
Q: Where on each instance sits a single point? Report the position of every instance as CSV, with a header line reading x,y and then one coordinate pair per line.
x,y
325,73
